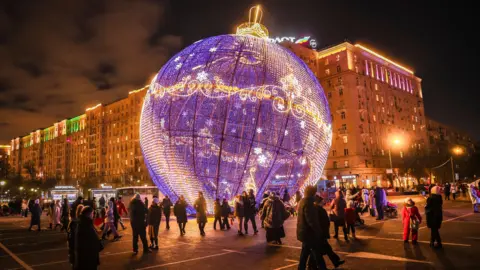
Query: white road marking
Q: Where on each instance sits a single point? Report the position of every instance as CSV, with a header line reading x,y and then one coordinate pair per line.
x,y
184,261
401,240
234,251
448,220
22,263
289,265
37,251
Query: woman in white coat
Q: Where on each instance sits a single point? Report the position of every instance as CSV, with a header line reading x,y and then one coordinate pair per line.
x,y
57,214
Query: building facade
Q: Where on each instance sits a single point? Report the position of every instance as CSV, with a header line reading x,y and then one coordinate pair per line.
x,y
101,145
4,161
377,111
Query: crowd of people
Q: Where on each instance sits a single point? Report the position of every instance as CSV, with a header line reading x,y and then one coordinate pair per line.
x,y
84,220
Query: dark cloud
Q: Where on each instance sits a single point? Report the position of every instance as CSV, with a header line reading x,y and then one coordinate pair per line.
x,y
58,57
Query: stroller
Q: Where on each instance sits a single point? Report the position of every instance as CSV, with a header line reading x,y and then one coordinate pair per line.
x,y
390,210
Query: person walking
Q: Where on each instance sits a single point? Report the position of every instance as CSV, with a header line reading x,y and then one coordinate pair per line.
x,y
350,218
75,204
200,206
250,211
217,210
138,214
379,201
226,211
110,223
116,215
298,197
167,205
239,212
122,210
57,214
262,204
146,202
473,192
71,229
325,228
50,214
65,215
101,202
434,214
447,191
309,231
338,213
273,215
180,212
286,196
371,203
36,212
87,244
154,218
453,190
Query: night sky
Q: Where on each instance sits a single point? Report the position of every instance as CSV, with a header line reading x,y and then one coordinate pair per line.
x,y
58,57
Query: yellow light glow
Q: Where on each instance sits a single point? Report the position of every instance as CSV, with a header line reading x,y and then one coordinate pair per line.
x,y
5,146
332,52
253,27
384,58
457,150
94,107
138,90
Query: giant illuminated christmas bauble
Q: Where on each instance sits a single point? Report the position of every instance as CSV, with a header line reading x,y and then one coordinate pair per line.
x,y
231,113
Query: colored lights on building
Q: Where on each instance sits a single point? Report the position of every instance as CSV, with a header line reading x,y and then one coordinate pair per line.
x,y
94,107
233,118
384,58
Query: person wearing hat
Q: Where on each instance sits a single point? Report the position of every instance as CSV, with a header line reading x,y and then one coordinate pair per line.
x,y
434,214
411,219
138,214
153,220
36,213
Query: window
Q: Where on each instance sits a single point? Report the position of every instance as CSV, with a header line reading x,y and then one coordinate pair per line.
x,y
366,163
340,80
342,115
355,58
334,152
335,165
381,98
383,153
358,82
345,152
356,70
326,61
374,118
339,69
345,139
345,163
401,154
344,126
329,83
377,98
415,109
413,126
340,91
338,57
327,71
329,94
376,86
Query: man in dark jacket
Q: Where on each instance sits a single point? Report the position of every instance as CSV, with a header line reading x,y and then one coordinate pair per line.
x,y
167,206
226,211
217,209
153,219
87,244
250,211
138,214
36,211
434,213
447,191
309,231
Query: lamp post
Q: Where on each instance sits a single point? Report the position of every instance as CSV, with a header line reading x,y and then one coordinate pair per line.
x,y
457,151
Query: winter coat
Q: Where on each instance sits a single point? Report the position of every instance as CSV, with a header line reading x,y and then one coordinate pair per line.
x,y
226,210
154,215
116,216
274,213
338,207
324,221
166,205
109,216
138,213
36,212
249,206
286,197
380,196
433,211
57,214
121,208
408,212
349,197
217,209
447,189
473,195
180,211
239,207
50,213
201,208
371,200
365,196
87,245
101,202
308,222
71,229
350,216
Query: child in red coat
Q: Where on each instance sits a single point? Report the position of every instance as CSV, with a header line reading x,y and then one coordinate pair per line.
x,y
411,220
350,217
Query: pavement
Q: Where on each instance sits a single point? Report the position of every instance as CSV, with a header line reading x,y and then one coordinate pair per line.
x,y
379,246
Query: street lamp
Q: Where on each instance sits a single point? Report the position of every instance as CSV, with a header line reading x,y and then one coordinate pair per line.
x,y
456,151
